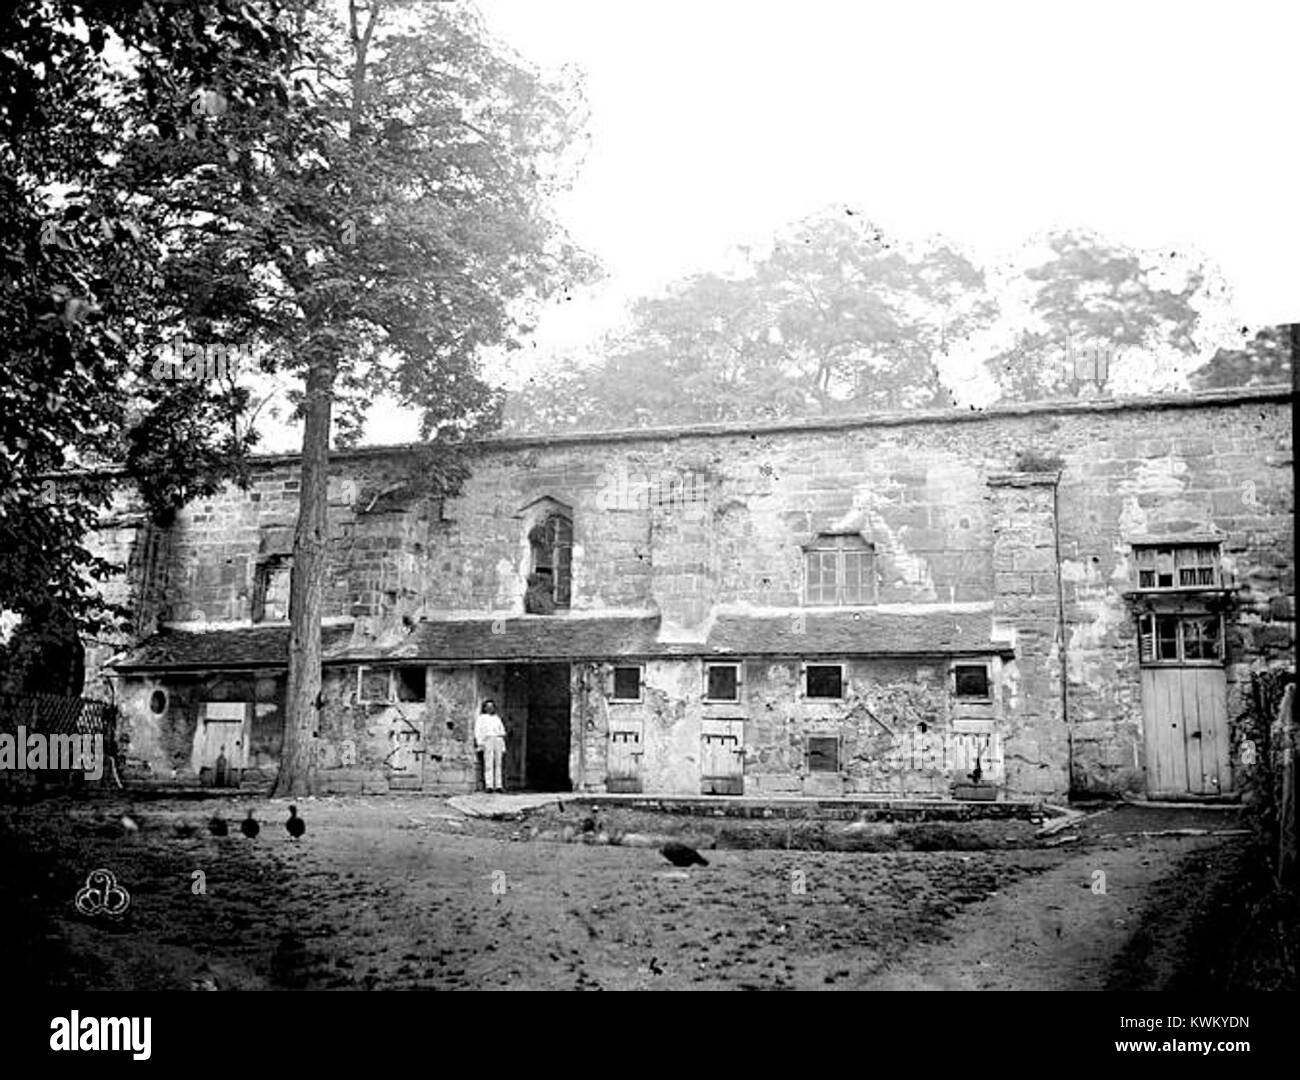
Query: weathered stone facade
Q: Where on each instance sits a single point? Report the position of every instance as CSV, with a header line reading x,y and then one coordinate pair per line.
x,y
1001,541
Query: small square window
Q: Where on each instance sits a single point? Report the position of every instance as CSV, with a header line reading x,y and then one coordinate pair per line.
x,y
372,684
723,682
627,683
823,753
972,680
825,681
410,683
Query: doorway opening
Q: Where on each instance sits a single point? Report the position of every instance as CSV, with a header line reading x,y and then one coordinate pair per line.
x,y
536,711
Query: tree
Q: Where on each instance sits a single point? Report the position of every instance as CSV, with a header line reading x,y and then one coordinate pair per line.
x,y
865,318
1094,304
834,317
99,120
1263,360
408,239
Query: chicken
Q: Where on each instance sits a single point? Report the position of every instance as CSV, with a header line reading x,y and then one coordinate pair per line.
x,y
249,827
681,855
295,824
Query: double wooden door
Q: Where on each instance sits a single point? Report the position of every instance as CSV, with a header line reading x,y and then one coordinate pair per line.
x,y
1186,717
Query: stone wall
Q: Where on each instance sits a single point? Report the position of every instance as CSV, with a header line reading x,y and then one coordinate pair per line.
x,y
1027,605
690,522
159,737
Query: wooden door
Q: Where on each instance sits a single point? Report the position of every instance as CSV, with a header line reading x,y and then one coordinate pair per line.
x,y
404,763
623,762
1186,718
722,757
222,729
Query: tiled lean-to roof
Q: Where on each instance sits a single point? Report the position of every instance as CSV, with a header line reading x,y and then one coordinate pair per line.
x,y
869,633
217,650
800,632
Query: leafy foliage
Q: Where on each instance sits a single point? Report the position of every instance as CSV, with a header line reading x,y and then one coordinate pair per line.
x,y
837,318
410,236
1089,292
360,200
1265,359
107,187
416,229
834,317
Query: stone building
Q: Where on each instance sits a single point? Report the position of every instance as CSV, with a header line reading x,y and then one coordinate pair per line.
x,y
1041,598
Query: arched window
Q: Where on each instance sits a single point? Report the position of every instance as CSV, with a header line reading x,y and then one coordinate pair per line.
x,y
551,540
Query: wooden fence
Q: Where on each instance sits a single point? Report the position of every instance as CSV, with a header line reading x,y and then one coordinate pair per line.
x,y
1273,744
1285,758
49,715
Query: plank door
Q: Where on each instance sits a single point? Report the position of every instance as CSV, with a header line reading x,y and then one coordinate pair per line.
x,y
222,726
623,763
1186,718
722,757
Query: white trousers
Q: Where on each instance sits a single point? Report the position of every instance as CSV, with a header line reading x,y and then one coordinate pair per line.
x,y
494,749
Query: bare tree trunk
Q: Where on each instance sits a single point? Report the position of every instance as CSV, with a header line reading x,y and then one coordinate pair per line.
x,y
297,775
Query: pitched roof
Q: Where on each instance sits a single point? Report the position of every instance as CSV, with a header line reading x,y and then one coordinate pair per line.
x,y
850,633
526,638
245,647
800,632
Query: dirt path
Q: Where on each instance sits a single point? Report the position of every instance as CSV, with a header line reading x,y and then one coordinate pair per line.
x,y
1055,931
406,893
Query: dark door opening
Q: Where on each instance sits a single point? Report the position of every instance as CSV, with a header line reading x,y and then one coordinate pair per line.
x,y
537,723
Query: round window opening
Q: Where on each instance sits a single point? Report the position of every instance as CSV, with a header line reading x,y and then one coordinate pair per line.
x,y
157,702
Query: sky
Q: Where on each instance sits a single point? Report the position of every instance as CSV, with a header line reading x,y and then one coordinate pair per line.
x,y
715,123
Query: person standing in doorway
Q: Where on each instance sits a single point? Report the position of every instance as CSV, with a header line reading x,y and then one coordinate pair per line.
x,y
490,738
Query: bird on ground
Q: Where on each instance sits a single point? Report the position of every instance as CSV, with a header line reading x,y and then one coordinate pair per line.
x,y
249,827
185,829
129,824
681,855
217,826
295,824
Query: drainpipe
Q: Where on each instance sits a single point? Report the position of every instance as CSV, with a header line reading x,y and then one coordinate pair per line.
x,y
1060,627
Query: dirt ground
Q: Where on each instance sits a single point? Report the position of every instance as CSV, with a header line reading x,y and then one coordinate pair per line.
x,y
409,893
